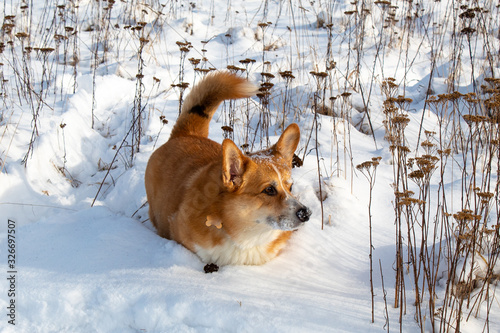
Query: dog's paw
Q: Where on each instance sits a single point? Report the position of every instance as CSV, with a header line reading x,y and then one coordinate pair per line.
x,y
210,268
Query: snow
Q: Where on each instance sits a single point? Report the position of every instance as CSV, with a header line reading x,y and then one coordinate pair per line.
x,y
88,259
102,272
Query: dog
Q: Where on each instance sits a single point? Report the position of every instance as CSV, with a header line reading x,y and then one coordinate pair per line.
x,y
228,207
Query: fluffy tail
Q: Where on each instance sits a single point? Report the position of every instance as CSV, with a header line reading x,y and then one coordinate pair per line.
x,y
205,98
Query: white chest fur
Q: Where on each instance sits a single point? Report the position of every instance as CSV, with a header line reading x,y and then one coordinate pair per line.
x,y
253,251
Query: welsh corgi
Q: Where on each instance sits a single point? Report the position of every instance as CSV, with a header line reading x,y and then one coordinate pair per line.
x,y
228,207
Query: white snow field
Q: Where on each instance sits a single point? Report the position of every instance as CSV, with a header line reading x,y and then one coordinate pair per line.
x,y
90,88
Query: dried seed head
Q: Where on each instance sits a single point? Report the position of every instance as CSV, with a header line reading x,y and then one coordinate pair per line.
x,y
403,100
183,44
204,70
247,61
416,175
382,3
485,195
427,144
59,37
320,75
405,194
182,85
454,96
194,61
429,133
287,75
410,201
265,86
444,152
296,161
22,35
470,119
235,68
46,50
468,14
466,215
267,75
367,165
7,27
401,119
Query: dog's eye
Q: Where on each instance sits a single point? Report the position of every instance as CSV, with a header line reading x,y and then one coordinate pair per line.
x,y
291,188
270,190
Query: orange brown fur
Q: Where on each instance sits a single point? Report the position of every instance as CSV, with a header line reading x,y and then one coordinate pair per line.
x,y
225,206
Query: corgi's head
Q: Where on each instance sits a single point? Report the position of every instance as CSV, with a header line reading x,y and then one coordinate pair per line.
x,y
259,185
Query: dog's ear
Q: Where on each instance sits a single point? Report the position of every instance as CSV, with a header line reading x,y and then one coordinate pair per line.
x,y
288,142
233,165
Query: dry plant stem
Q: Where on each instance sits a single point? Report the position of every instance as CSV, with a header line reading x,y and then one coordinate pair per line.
x,y
36,110
64,144
110,167
316,116
73,31
395,124
319,172
335,140
359,55
386,315
369,170
465,242
184,48
319,95
346,109
330,66
137,111
431,74
264,116
371,250
95,60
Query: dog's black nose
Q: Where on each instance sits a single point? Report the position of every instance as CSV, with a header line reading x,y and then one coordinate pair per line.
x,y
303,214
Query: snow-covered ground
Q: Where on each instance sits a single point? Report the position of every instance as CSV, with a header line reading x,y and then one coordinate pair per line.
x,y
86,257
